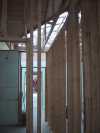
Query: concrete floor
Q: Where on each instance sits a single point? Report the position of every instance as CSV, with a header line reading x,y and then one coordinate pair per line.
x,y
45,129
5,129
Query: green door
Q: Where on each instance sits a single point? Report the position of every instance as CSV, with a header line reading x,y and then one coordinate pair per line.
x,y
9,61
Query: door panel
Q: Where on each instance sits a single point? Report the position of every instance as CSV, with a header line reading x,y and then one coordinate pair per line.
x,y
9,87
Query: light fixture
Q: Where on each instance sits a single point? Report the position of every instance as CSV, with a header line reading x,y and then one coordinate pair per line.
x,y
19,45
23,45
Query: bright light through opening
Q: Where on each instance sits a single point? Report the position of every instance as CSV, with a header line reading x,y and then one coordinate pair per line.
x,y
59,24
46,44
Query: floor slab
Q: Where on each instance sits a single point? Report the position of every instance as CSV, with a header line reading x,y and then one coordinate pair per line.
x,y
4,129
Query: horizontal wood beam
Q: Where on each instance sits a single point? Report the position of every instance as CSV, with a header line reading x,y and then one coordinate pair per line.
x,y
12,39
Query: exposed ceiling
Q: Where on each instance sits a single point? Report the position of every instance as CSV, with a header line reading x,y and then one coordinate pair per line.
x,y
16,15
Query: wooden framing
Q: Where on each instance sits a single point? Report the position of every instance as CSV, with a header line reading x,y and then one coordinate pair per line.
x,y
73,73
12,22
12,39
29,79
56,85
4,18
39,70
91,57
29,87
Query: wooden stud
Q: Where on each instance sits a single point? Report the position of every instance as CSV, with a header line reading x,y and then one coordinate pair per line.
x,y
12,39
56,85
49,86
29,88
73,73
39,70
46,97
4,17
91,54
29,51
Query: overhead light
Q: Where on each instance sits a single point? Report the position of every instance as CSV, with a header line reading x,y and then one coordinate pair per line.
x,y
65,14
28,35
23,45
79,15
51,21
19,45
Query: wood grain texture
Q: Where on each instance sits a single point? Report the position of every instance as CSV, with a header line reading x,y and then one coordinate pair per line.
x,y
91,54
56,85
29,88
73,73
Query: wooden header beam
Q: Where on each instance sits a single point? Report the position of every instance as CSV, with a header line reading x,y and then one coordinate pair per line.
x,y
12,39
